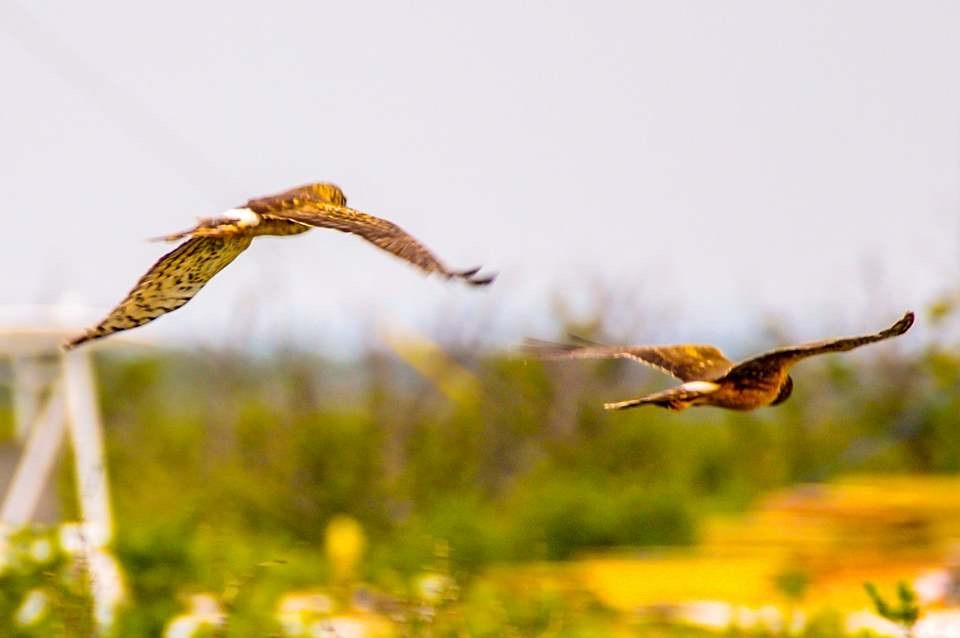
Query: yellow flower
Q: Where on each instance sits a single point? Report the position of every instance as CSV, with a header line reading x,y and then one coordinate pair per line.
x,y
345,542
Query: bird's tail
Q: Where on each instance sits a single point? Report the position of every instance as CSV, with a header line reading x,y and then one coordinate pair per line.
x,y
670,404
678,398
623,405
173,237
205,227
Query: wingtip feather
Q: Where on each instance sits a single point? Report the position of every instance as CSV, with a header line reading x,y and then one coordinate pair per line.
x,y
546,349
582,341
904,324
72,344
470,276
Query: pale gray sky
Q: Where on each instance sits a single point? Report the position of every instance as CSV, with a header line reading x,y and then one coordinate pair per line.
x,y
722,163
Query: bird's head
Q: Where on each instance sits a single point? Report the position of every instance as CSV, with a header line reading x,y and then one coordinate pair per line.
x,y
785,390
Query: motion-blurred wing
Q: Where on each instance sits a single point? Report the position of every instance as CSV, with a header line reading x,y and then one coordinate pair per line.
x,y
322,192
169,284
297,206
775,359
688,362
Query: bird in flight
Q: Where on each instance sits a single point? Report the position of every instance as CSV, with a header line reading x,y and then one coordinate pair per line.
x,y
216,241
708,377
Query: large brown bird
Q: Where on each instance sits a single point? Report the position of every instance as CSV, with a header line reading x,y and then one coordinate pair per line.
x,y
216,241
709,378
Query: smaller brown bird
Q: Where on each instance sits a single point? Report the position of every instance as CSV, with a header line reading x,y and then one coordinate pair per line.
x,y
214,242
709,378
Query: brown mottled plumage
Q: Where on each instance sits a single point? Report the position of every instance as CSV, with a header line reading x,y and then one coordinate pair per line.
x,y
214,242
709,377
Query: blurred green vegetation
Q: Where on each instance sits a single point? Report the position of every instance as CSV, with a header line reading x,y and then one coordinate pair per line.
x,y
226,470
36,575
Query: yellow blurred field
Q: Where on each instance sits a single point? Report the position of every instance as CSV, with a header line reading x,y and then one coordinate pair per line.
x,y
880,529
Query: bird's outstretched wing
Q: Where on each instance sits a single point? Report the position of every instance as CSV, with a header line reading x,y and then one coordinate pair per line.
x,y
688,362
303,205
775,359
169,284
323,192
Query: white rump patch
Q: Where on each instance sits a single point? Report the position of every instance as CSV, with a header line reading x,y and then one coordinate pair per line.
x,y
700,386
244,216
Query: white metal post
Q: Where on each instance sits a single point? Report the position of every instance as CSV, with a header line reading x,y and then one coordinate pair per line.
x,y
28,381
70,403
39,455
86,435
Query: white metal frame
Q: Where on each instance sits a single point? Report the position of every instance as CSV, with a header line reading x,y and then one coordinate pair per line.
x,y
54,395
